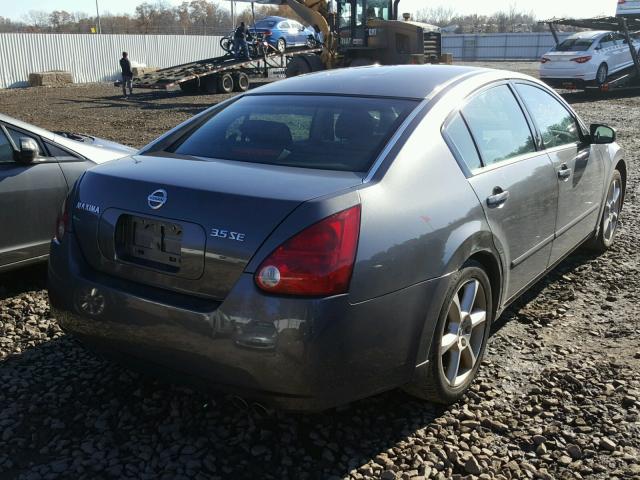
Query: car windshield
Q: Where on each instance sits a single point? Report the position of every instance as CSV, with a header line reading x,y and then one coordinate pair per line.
x,y
265,24
574,45
311,131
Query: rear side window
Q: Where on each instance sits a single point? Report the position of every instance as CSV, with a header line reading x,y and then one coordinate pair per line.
x,y
460,141
498,125
322,132
556,124
266,24
284,26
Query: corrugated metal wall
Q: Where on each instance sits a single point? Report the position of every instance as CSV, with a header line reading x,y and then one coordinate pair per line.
x,y
94,58
499,46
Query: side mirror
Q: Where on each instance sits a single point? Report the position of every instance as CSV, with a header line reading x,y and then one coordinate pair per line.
x,y
28,150
602,134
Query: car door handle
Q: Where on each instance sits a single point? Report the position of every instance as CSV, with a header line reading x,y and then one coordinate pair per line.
x,y
498,198
564,173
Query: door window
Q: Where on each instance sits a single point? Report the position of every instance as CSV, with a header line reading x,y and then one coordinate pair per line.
x,y
498,125
461,143
284,26
607,41
6,150
556,124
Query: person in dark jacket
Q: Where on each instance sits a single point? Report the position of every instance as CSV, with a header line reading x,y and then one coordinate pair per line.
x,y
127,74
240,41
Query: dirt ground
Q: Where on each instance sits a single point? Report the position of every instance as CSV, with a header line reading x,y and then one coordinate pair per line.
x,y
558,395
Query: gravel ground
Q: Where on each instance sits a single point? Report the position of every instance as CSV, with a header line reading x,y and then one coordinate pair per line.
x,y
558,395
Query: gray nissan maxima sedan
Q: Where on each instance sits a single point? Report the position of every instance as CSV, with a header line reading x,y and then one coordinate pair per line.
x,y
335,235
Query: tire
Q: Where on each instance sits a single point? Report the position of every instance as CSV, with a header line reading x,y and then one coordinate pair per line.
x,y
296,66
453,339
608,224
226,44
281,45
190,87
240,82
225,83
313,61
361,62
602,74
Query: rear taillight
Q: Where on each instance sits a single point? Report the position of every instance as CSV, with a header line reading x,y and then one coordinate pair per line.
x,y
620,2
544,60
63,223
581,59
317,261
267,33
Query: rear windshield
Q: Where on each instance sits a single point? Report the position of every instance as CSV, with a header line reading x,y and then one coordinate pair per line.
x,y
265,24
574,45
323,132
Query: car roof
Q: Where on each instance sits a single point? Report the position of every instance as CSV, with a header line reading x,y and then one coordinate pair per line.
x,y
272,18
400,81
588,34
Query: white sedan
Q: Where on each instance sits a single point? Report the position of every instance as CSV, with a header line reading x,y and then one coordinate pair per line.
x,y
586,58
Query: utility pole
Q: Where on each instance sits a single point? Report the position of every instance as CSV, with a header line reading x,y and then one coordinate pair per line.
x,y
98,15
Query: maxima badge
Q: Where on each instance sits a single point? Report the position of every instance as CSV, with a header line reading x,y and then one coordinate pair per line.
x,y
157,199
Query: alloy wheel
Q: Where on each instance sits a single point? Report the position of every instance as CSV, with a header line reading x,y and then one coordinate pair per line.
x,y
612,210
463,334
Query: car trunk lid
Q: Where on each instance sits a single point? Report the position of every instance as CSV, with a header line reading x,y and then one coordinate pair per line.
x,y
189,225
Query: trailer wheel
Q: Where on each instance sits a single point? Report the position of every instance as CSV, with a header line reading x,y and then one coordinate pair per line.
x,y
314,61
225,83
189,87
361,62
241,82
296,66
602,74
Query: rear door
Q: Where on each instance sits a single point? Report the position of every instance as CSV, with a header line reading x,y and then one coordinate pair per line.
x,y
515,183
31,196
579,169
610,52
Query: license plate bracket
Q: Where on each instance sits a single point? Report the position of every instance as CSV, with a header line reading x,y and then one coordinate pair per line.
x,y
150,242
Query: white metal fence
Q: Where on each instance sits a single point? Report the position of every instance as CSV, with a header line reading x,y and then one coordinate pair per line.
x,y
499,46
94,58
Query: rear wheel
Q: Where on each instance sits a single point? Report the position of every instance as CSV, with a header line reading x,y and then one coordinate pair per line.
x,y
281,45
602,74
610,215
460,337
241,82
225,83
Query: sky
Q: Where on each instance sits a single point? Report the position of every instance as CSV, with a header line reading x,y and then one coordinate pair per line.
x,y
541,8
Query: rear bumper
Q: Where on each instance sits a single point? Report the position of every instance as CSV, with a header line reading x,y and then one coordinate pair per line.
x,y
556,82
292,353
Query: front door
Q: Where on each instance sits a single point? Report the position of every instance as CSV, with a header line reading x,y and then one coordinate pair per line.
x,y
516,184
578,167
31,196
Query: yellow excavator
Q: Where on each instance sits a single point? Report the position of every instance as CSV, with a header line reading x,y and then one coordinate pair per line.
x,y
360,32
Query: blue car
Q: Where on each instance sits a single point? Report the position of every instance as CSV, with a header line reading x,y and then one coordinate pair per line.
x,y
283,32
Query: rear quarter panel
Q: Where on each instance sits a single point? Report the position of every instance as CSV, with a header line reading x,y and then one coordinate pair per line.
x,y
421,221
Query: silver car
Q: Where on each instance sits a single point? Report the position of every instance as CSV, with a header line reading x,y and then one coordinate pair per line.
x,y
334,235
37,170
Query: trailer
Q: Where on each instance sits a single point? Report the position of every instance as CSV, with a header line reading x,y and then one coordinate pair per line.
x,y
629,78
225,74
